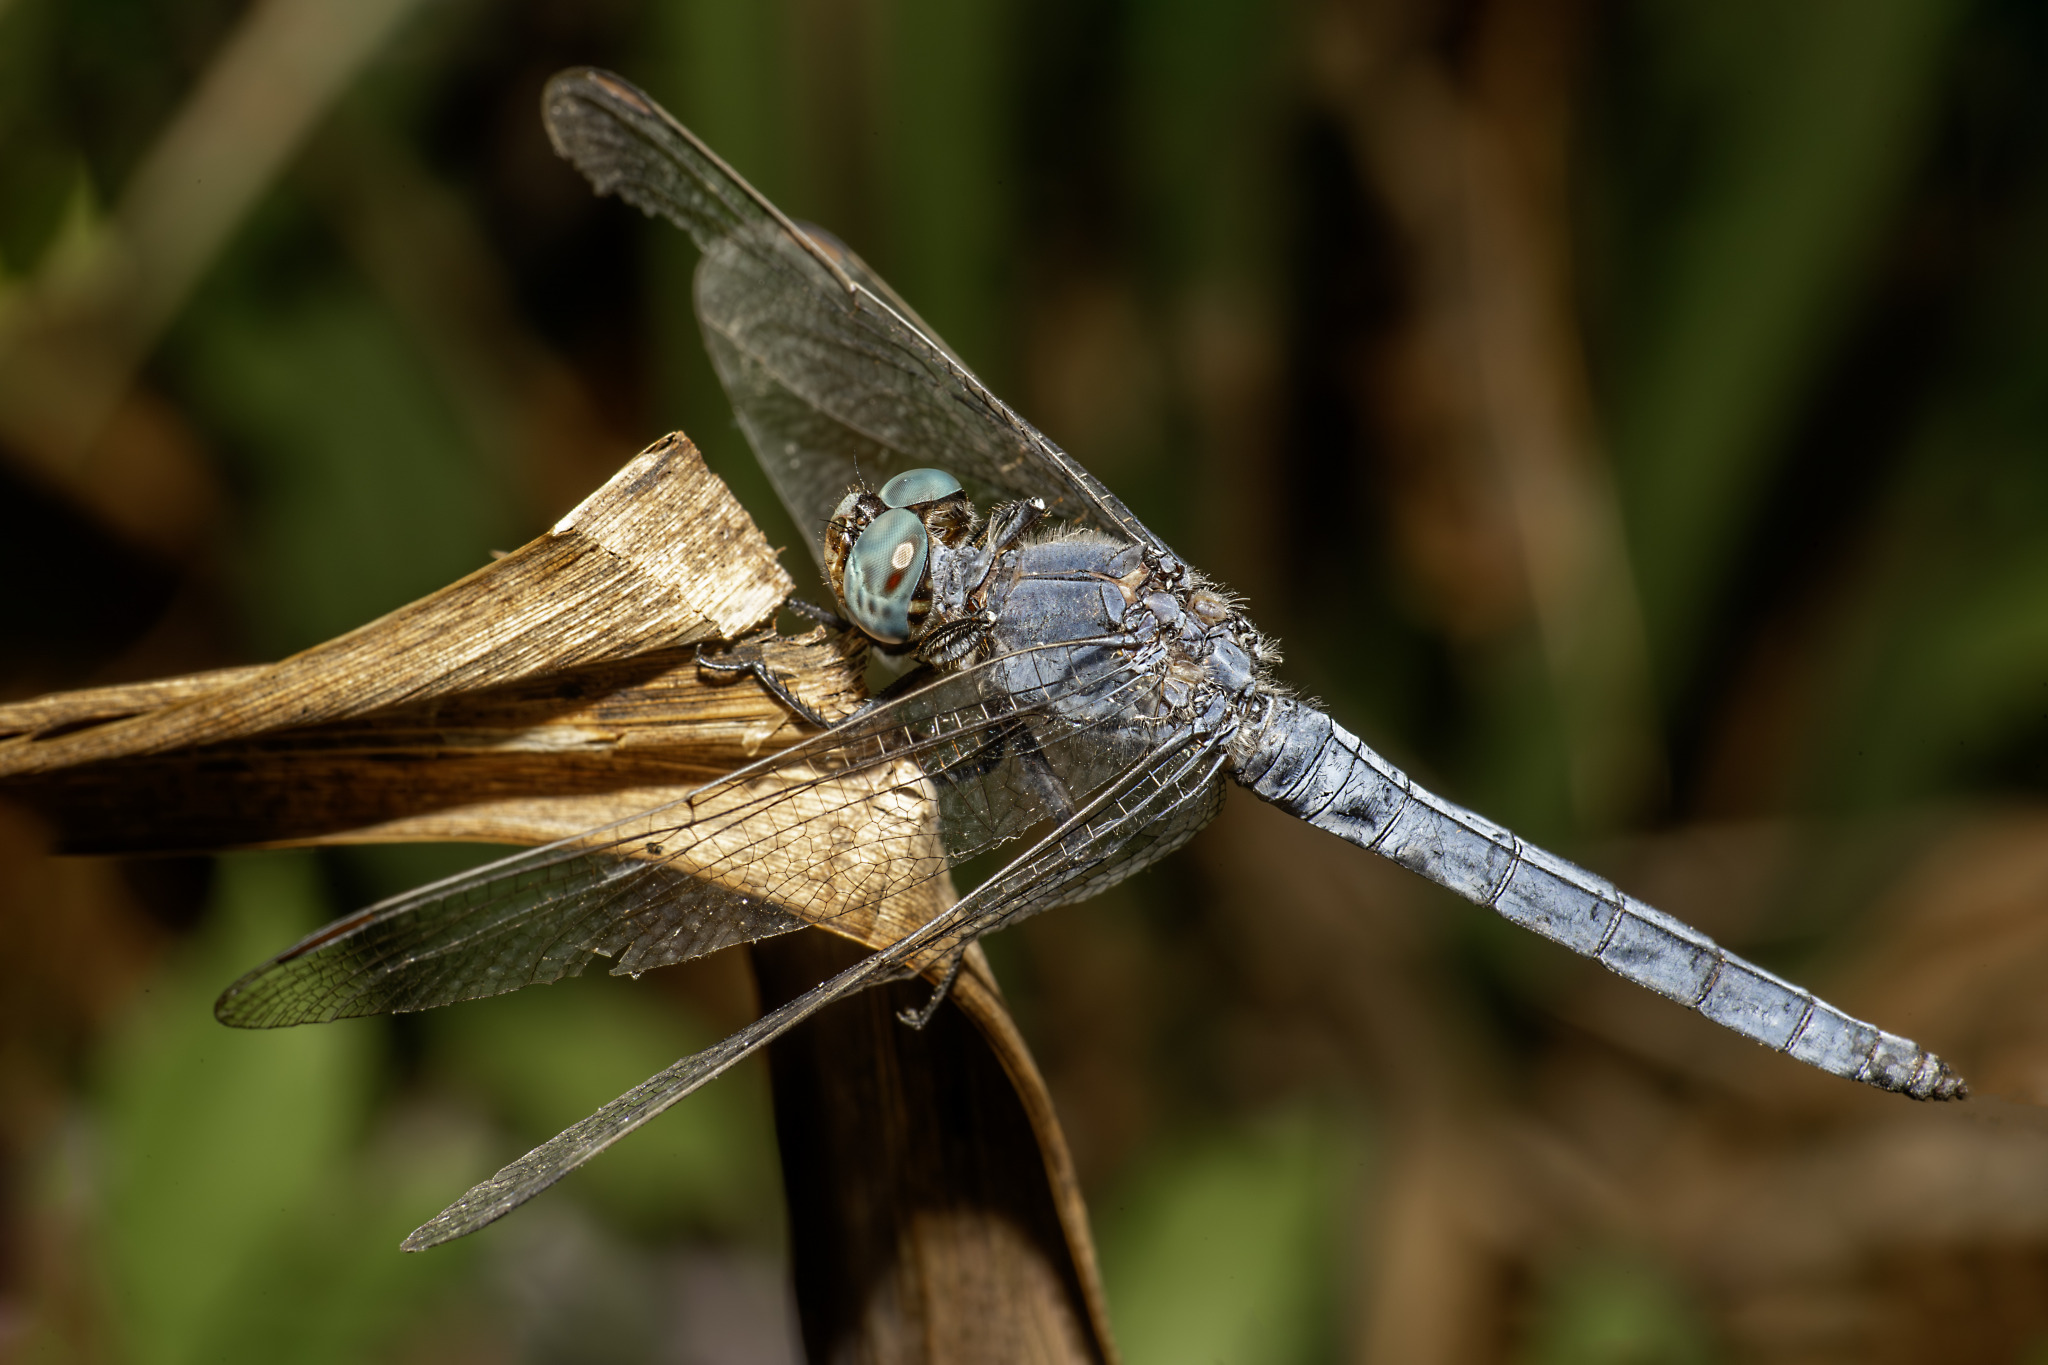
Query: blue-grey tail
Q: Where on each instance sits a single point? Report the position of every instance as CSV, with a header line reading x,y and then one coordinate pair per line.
x,y
1311,767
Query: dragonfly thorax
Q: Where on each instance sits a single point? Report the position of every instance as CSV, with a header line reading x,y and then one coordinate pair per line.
x,y
880,548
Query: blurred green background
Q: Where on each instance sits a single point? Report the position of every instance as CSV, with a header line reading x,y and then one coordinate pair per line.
x,y
1632,417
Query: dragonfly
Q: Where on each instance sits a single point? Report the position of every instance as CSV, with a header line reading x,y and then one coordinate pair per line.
x,y
1079,700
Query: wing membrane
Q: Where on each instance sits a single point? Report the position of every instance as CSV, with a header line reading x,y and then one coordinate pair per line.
x,y
533,918
841,829
1120,825
821,366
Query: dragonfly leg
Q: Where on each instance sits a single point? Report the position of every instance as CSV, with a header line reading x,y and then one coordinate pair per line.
x,y
1008,523
766,677
924,1013
951,641
824,616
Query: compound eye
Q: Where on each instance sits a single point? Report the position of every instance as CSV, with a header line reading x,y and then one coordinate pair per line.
x,y
848,520
915,486
884,573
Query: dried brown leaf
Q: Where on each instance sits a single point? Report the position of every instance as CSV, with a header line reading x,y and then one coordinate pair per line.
x,y
550,692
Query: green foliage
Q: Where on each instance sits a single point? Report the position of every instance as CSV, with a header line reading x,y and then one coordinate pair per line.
x,y
1229,1250
243,1219
947,202
1804,126
1614,1309
363,492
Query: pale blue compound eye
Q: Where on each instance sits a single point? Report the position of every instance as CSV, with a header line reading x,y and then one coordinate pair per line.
x,y
884,573
914,486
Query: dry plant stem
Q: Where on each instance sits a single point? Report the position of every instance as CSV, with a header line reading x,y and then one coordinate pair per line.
x,y
661,555
552,691
530,762
957,1261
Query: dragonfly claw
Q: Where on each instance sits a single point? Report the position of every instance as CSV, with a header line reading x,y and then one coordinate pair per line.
x,y
924,1013
766,677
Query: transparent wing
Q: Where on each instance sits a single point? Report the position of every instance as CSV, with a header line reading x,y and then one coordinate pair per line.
x,y
1175,826
1110,835
834,830
525,920
832,378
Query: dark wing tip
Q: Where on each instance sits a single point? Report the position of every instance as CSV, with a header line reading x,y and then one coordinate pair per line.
x,y
487,1201
274,995
282,994
592,81
565,90
619,88
234,1007
253,1002
424,1236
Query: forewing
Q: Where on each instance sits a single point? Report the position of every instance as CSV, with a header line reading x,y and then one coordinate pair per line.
x,y
831,380
1178,782
535,917
1174,824
854,828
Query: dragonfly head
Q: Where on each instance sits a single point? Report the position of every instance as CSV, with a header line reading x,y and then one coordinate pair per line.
x,y
878,550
